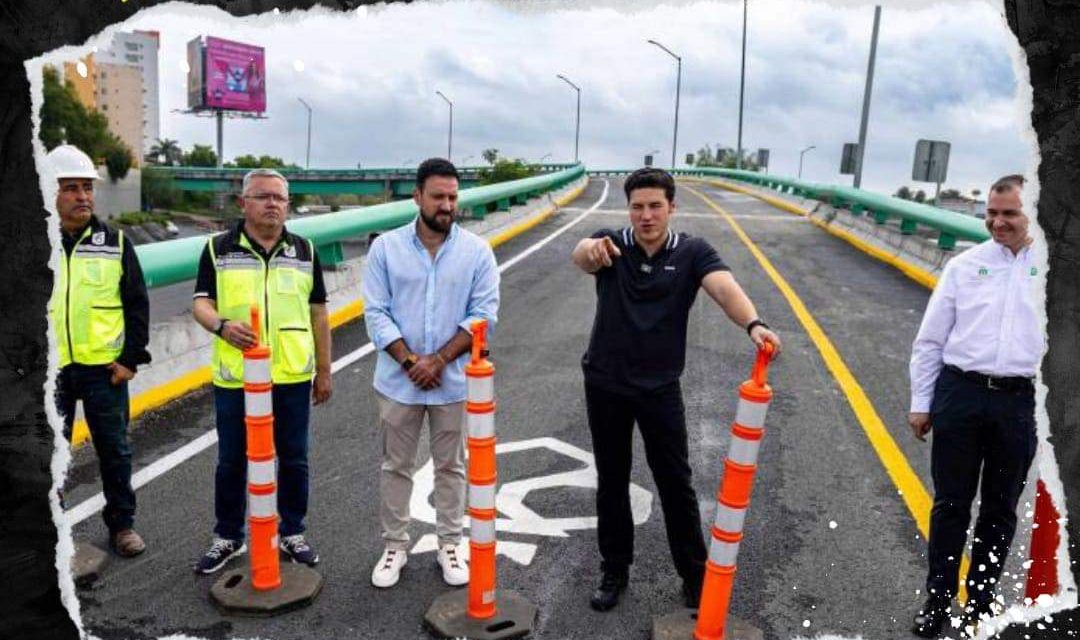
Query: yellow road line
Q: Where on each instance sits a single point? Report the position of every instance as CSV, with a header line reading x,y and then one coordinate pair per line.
x,y
914,494
192,380
918,274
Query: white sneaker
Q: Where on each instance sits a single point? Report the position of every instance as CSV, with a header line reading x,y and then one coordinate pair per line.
x,y
387,570
455,572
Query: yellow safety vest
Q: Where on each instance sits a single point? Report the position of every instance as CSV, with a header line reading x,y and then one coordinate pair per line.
x,y
87,313
281,289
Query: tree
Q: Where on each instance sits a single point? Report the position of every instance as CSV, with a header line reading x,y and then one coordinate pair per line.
x,y
975,193
952,194
904,193
249,161
706,157
166,151
65,119
920,196
201,155
490,155
504,170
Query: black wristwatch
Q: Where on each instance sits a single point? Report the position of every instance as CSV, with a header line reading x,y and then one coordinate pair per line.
x,y
220,327
756,322
409,361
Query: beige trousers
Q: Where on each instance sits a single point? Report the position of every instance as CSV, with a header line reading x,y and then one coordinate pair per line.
x,y
401,425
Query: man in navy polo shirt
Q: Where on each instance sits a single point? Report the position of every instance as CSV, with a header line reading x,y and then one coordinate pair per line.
x,y
647,277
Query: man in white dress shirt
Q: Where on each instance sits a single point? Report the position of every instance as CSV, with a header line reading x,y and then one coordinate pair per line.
x,y
972,369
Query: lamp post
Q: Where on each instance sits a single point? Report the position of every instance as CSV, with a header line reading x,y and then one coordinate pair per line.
x,y
307,160
860,151
450,136
678,86
742,86
801,153
577,116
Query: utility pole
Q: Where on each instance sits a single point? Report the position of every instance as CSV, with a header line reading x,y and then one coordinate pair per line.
x,y
861,150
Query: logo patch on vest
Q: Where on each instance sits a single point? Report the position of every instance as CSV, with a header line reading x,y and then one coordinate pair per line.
x,y
98,238
983,271
1034,271
290,251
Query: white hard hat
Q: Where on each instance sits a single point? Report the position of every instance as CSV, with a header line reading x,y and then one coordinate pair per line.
x,y
68,161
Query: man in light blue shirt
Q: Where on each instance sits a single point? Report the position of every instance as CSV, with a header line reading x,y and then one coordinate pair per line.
x,y
424,285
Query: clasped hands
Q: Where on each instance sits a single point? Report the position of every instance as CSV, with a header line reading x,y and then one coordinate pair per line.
x,y
426,374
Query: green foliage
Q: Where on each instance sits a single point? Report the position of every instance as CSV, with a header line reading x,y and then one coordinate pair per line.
x,y
165,151
201,155
117,161
920,196
158,189
249,161
64,118
904,193
141,217
490,155
505,170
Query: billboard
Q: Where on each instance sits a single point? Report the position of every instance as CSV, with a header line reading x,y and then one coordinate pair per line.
x,y
226,75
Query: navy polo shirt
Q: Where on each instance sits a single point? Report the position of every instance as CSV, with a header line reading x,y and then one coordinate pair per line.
x,y
638,340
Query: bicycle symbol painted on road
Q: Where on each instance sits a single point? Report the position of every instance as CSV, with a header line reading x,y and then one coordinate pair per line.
x,y
517,518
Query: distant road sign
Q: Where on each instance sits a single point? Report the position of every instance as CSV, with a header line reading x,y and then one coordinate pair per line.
x,y
690,159
848,158
763,157
931,161
648,160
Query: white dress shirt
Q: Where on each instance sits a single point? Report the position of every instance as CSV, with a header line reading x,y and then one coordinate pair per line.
x,y
981,317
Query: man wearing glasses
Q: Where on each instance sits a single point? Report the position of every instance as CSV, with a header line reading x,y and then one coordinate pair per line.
x,y
259,262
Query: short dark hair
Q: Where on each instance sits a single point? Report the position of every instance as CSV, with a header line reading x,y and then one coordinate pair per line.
x,y
1007,183
434,167
650,178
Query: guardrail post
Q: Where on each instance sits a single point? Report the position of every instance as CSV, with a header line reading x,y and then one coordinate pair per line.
x,y
331,254
946,241
502,204
908,227
478,212
880,217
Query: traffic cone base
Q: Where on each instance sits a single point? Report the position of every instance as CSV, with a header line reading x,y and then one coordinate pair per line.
x,y
680,626
235,594
447,617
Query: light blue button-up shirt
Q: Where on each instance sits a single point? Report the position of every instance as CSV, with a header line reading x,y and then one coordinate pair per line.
x,y
408,295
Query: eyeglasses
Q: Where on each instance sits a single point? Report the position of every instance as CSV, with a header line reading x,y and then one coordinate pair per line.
x,y
267,197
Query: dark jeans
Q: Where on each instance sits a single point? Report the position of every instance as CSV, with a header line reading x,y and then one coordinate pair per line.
x,y
106,409
661,417
292,405
976,431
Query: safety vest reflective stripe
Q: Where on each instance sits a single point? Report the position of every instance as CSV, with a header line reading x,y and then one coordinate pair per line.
x,y
86,308
281,289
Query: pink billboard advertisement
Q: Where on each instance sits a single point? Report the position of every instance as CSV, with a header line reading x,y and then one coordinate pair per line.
x,y
235,76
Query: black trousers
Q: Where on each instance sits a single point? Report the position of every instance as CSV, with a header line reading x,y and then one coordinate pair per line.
x,y
977,432
105,406
661,417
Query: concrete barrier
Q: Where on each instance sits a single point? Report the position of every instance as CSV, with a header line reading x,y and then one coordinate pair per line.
x,y
180,347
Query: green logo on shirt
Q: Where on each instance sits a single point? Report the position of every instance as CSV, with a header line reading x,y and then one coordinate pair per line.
x,y
1034,271
983,271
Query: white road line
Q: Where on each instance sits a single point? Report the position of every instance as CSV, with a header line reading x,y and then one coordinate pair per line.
x,y
162,465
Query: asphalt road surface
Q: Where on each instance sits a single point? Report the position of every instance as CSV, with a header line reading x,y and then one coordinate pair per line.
x,y
829,545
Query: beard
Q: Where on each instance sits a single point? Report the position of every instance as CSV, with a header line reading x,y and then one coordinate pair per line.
x,y
438,221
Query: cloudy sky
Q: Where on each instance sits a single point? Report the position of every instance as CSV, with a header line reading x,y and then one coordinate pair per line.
x,y
943,72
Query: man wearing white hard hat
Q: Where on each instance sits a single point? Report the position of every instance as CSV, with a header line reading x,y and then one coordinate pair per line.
x,y
100,314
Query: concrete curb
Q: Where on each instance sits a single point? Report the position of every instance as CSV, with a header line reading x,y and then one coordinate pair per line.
x,y
180,348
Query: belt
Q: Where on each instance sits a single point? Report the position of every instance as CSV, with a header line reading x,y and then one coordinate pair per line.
x,y
995,383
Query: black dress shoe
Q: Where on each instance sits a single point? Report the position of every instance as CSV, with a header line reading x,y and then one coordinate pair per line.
x,y
606,595
932,617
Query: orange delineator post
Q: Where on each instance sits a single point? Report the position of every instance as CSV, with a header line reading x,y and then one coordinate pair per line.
x,y
262,474
733,500
480,408
1042,574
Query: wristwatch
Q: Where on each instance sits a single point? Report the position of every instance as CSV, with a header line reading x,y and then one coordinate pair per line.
x,y
756,322
409,361
220,327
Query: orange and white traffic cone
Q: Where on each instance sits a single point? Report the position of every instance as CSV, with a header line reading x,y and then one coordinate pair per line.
x,y
480,408
262,593
480,612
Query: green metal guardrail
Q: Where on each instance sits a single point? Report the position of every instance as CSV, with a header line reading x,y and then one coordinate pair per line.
x,y
950,225
172,261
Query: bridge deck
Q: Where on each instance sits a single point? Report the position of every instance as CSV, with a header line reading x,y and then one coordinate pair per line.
x,y
798,574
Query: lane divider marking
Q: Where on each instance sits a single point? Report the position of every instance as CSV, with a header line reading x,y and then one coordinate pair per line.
x,y
914,494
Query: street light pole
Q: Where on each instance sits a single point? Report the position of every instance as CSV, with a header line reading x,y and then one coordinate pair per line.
x,y
678,87
742,87
801,153
860,152
450,136
577,117
307,161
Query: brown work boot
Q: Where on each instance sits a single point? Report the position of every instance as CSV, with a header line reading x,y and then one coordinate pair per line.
x,y
127,543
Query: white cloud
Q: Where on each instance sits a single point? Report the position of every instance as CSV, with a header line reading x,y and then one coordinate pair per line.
x,y
943,72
